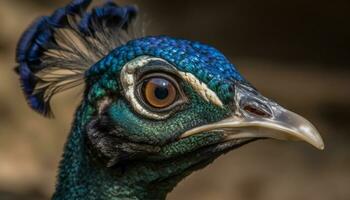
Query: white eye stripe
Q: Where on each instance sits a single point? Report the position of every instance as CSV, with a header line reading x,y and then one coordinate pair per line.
x,y
202,89
128,80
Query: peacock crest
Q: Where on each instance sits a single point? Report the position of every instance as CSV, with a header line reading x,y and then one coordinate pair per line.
x,y
154,110
55,51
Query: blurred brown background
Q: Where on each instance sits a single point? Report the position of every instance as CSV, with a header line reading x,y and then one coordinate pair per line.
x,y
296,52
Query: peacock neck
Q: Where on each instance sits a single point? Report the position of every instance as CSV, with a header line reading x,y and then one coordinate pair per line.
x,y
80,177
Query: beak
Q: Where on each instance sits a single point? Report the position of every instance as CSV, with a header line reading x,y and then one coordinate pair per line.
x,y
255,116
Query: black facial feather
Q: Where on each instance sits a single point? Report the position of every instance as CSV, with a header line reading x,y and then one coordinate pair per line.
x,y
105,141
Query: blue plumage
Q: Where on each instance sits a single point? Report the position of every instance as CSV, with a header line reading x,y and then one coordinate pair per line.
x,y
29,51
40,38
27,46
127,141
77,6
208,64
205,62
109,15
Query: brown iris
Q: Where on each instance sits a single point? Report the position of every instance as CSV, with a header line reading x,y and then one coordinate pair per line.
x,y
159,92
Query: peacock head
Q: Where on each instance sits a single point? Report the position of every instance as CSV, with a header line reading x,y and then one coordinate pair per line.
x,y
148,99
166,98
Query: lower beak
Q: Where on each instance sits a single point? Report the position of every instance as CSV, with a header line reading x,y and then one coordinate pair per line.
x,y
255,116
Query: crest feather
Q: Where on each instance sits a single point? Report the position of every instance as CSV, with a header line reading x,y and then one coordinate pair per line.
x,y
55,51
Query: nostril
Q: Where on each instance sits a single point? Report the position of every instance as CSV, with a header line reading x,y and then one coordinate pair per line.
x,y
256,111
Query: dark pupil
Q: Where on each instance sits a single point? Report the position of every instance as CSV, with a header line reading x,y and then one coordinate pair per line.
x,y
161,91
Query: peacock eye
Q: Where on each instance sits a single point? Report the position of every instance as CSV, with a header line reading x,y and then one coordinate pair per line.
x,y
159,92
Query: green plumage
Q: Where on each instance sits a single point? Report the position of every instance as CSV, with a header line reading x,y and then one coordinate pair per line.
x,y
84,176
134,137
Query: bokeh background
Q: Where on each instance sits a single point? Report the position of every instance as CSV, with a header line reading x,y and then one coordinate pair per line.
x,y
294,51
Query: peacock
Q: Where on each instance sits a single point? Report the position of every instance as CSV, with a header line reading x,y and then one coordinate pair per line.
x,y
154,108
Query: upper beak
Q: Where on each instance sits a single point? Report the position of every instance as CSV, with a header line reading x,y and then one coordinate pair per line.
x,y
255,116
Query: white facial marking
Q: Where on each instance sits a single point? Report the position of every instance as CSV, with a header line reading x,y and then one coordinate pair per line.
x,y
201,88
127,77
129,84
102,104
